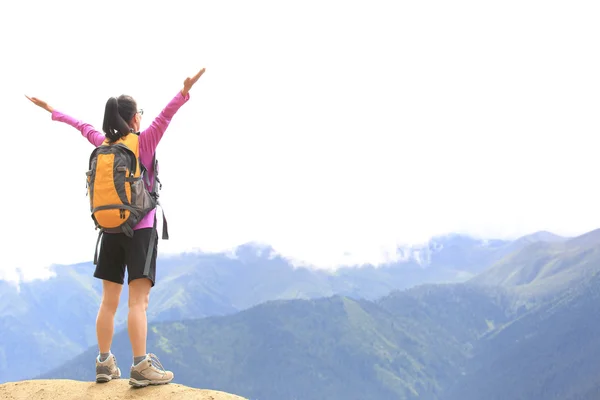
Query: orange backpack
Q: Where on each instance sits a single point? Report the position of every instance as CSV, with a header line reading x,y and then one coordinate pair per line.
x,y
118,197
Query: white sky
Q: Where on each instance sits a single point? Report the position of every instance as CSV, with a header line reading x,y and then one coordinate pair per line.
x,y
321,128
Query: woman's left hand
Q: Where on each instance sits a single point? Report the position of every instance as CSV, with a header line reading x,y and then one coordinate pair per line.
x,y
189,82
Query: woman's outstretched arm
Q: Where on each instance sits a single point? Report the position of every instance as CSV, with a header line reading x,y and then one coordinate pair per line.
x,y
88,131
151,136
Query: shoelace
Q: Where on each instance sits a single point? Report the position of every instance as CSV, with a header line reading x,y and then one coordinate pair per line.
x,y
155,362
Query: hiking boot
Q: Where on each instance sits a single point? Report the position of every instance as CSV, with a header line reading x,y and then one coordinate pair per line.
x,y
149,371
107,369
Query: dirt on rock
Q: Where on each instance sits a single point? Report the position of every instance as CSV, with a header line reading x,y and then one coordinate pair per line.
x,y
64,389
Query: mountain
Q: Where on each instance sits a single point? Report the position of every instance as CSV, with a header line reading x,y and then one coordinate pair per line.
x,y
196,285
41,321
333,347
540,270
541,236
551,352
432,342
465,312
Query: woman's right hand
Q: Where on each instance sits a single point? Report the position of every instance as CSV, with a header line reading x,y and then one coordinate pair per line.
x,y
40,103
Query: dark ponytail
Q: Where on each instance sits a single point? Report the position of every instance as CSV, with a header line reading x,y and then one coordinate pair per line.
x,y
116,114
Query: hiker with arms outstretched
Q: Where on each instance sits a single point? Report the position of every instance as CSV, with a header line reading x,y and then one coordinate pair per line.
x,y
133,243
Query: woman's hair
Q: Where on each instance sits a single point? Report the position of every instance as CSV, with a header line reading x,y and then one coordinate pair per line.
x,y
118,112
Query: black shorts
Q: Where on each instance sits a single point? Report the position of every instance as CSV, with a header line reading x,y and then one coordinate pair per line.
x,y
117,251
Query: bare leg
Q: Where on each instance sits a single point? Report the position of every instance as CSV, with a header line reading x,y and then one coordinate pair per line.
x,y
137,323
105,321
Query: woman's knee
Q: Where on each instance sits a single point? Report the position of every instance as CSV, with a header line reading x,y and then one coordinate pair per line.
x,y
139,293
110,304
111,293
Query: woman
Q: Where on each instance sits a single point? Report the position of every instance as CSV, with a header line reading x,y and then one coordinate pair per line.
x,y
121,118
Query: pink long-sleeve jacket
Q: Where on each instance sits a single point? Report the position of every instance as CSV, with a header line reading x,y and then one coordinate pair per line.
x,y
149,139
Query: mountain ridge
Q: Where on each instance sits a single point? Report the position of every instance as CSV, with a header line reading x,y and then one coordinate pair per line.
x,y
414,253
201,285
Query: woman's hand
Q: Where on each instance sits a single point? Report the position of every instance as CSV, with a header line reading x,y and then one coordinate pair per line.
x,y
41,103
189,82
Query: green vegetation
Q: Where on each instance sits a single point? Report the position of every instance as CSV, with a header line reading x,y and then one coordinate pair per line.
x,y
333,347
523,338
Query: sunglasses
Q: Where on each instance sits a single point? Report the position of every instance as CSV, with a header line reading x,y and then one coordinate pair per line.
x,y
141,111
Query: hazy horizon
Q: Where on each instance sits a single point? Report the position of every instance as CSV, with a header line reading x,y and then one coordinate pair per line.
x,y
332,131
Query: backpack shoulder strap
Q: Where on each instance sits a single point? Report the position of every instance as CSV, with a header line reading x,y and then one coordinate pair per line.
x,y
132,141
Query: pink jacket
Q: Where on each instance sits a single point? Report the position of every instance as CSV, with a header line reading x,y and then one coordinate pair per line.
x,y
149,139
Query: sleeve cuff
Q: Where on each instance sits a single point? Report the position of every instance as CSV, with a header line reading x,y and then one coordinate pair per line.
x,y
186,97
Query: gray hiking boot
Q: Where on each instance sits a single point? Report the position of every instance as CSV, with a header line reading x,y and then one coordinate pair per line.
x,y
107,369
149,371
